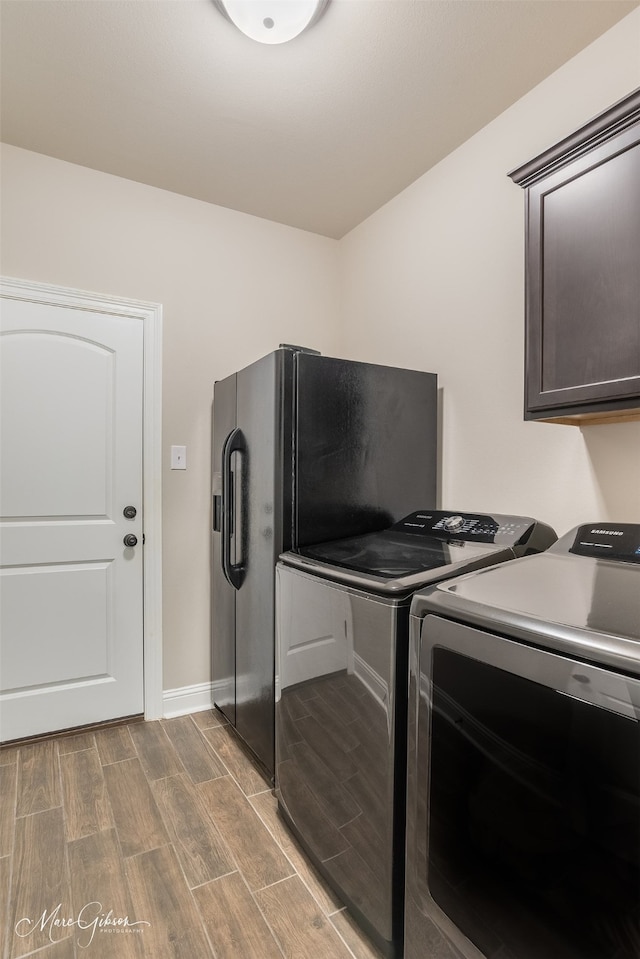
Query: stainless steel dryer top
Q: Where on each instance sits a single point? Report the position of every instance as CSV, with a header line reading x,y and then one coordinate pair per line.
x,y
581,597
423,548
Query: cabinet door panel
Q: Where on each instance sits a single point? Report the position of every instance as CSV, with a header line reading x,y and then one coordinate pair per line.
x,y
591,268
583,271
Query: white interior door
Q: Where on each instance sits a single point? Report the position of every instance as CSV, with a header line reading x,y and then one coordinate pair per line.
x,y
71,591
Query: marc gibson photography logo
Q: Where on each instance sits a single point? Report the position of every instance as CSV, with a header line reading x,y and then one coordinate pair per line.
x,y
90,920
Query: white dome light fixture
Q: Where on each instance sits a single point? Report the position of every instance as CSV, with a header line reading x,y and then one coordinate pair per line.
x,y
272,21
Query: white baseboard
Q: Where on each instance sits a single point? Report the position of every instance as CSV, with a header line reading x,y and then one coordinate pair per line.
x,y
370,678
187,699
193,699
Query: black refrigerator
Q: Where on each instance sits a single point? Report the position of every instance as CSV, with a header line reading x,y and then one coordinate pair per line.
x,y
306,448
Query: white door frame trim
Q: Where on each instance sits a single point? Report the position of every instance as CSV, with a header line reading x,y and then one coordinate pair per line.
x,y
151,316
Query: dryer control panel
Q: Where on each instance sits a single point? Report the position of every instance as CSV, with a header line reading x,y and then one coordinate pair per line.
x,y
619,541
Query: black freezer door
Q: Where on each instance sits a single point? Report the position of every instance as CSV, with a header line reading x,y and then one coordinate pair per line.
x,y
252,444
261,397
224,603
365,447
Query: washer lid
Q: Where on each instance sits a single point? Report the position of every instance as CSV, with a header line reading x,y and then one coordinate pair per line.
x,y
422,548
389,554
390,563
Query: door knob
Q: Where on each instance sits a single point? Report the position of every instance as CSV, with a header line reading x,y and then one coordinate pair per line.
x,y
130,540
129,512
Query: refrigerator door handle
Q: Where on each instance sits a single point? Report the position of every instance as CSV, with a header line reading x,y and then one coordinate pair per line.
x,y
234,443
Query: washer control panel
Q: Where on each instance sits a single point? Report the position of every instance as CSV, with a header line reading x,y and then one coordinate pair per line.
x,y
496,528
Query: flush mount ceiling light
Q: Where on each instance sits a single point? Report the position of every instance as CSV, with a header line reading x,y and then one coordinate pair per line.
x,y
272,21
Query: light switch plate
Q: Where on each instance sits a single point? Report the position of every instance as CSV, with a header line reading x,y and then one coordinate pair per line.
x,y
178,457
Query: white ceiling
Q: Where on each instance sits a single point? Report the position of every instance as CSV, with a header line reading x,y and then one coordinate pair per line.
x,y
316,133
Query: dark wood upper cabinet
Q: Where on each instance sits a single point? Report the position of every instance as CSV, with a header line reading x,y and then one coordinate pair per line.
x,y
582,314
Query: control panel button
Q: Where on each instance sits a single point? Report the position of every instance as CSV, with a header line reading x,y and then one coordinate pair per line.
x,y
453,523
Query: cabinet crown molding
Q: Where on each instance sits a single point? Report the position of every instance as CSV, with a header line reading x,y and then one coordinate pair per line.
x,y
598,130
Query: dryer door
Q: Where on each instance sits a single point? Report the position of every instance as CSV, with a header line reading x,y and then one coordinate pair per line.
x,y
524,798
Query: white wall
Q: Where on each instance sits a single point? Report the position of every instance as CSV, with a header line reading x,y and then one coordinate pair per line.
x,y
435,280
232,288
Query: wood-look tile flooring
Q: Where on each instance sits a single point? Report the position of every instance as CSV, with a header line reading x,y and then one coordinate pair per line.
x,y
156,840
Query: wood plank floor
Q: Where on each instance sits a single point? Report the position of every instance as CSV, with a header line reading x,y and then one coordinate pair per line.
x,y
156,840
